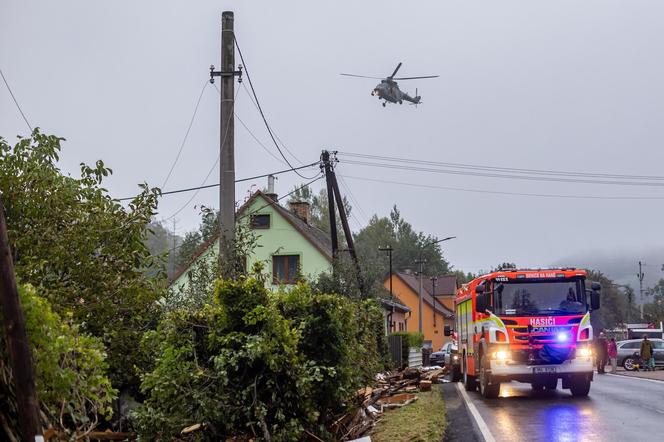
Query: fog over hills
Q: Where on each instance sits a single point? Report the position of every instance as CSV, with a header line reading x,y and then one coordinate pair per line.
x,y
621,265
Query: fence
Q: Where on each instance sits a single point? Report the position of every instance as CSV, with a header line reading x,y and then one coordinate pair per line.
x,y
395,344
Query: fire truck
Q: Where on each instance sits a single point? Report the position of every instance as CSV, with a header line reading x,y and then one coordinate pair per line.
x,y
529,326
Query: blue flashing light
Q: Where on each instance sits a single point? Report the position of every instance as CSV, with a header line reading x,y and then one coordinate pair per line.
x,y
563,337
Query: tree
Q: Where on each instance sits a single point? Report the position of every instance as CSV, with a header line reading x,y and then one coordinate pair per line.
x,y
81,249
163,245
408,246
654,311
615,307
207,229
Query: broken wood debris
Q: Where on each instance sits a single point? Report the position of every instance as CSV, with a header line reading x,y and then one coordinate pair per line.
x,y
391,390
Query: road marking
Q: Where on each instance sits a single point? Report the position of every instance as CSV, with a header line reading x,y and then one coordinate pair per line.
x,y
636,378
484,428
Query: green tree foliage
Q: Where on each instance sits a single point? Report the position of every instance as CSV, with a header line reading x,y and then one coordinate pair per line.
x,y
407,244
163,245
192,241
256,362
654,311
615,308
72,384
81,249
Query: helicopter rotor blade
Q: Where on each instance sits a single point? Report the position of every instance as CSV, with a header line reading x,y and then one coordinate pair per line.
x,y
362,76
395,71
416,78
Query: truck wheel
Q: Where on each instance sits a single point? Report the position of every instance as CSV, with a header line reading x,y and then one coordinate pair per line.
x,y
456,373
489,391
537,385
580,385
468,381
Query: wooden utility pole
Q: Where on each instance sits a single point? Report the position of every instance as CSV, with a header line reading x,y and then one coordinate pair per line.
x,y
227,141
333,195
17,342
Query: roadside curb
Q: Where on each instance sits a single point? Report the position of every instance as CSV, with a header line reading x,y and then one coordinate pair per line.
x,y
478,423
659,381
461,425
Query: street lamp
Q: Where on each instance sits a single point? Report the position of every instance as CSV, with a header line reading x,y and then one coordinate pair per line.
x,y
421,262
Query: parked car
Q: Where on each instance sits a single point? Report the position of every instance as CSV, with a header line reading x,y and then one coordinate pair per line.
x,y
452,360
437,357
628,352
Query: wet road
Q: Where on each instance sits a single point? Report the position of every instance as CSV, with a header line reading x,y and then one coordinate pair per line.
x,y
617,409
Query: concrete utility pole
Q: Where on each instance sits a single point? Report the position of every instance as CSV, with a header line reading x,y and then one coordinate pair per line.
x,y
227,145
17,342
640,275
433,294
421,261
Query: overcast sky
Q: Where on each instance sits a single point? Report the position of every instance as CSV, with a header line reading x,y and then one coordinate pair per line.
x,y
561,85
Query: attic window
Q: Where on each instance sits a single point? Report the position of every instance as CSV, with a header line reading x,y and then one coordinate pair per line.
x,y
260,221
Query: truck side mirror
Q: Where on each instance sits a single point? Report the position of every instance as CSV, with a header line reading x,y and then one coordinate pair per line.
x,y
594,299
447,330
595,286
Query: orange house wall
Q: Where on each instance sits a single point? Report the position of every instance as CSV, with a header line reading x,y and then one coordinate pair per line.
x,y
410,299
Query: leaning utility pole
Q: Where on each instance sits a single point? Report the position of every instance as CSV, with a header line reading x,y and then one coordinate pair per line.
x,y
333,195
227,145
17,342
640,275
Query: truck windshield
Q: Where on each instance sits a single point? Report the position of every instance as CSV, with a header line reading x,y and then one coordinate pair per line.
x,y
538,298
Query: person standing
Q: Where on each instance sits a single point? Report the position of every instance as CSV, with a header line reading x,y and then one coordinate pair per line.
x,y
601,347
647,354
613,355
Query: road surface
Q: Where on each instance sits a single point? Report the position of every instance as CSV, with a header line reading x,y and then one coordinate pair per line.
x,y
618,409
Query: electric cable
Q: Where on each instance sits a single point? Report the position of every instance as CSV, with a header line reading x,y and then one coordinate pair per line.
x,y
186,135
496,192
260,109
500,169
16,101
207,186
498,175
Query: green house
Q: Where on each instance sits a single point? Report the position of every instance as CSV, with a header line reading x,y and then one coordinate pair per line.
x,y
287,243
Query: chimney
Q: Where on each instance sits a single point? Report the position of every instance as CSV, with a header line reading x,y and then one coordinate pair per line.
x,y
270,189
301,209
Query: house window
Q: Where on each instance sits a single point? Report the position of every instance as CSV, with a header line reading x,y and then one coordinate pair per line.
x,y
285,269
260,221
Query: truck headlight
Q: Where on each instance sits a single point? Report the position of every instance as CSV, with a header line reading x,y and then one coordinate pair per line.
x,y
455,357
585,352
501,355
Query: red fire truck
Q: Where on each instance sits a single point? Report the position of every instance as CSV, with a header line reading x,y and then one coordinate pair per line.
x,y
529,326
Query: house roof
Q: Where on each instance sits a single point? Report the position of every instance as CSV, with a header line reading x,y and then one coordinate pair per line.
x,y
446,285
412,282
313,234
395,303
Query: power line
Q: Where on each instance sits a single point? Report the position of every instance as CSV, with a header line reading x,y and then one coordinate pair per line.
x,y
502,169
498,175
258,141
251,98
352,197
189,189
225,132
186,135
15,101
260,109
495,192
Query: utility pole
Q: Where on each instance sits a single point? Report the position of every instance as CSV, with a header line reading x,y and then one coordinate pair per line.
x,y
333,194
389,250
640,276
17,342
433,283
227,140
420,262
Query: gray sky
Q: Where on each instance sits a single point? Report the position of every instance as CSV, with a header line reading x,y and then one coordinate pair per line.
x,y
562,85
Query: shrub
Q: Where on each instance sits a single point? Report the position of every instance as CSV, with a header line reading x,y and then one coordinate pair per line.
x,y
267,365
72,384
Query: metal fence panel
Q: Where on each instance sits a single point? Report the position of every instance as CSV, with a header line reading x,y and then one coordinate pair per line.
x,y
395,350
414,357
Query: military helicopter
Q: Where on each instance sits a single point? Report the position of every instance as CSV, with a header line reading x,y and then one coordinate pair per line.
x,y
388,89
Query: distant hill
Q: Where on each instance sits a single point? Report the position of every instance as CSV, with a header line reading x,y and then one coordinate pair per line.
x,y
621,266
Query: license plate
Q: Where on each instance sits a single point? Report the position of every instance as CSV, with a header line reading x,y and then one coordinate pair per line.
x,y
544,370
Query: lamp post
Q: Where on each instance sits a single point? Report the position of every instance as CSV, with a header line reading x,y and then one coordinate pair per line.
x,y
421,262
